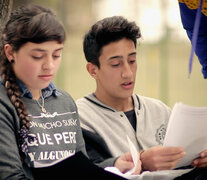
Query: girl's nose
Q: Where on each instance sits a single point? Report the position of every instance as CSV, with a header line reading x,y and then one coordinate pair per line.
x,y
48,63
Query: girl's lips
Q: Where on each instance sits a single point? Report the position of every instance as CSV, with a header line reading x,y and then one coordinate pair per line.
x,y
46,77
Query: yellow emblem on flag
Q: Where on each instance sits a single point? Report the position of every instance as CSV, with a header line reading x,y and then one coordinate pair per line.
x,y
193,4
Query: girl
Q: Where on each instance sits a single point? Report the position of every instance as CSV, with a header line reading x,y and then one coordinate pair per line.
x,y
38,122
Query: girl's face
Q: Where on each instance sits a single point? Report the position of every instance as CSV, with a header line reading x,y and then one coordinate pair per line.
x,y
36,64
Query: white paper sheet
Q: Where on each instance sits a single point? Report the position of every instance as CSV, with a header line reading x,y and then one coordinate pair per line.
x,y
187,129
135,157
146,175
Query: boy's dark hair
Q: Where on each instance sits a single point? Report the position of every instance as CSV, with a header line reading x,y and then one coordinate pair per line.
x,y
106,31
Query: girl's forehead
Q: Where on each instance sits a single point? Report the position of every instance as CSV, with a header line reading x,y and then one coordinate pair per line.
x,y
45,46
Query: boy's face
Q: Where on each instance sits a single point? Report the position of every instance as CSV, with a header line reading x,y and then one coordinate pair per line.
x,y
117,72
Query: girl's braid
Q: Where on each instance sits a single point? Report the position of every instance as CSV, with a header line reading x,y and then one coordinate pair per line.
x,y
13,92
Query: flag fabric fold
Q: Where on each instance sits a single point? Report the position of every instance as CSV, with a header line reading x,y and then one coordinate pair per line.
x,y
189,11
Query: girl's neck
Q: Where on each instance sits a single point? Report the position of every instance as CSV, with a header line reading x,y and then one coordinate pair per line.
x,y
36,94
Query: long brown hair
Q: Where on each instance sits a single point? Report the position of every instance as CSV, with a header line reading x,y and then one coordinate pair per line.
x,y
30,23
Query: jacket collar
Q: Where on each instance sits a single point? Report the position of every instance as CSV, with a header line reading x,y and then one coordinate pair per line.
x,y
92,98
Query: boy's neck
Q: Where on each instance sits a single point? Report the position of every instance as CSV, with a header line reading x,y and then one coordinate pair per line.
x,y
120,104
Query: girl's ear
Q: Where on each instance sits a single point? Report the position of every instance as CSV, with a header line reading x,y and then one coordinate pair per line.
x,y
92,69
9,52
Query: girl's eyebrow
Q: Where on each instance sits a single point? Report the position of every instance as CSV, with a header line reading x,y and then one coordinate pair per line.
x,y
59,49
43,50
38,49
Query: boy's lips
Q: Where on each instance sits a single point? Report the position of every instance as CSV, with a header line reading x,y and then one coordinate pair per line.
x,y
127,85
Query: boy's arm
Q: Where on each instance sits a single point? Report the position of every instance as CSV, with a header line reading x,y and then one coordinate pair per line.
x,y
97,149
99,153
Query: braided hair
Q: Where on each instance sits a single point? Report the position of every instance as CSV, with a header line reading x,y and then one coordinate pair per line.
x,y
34,24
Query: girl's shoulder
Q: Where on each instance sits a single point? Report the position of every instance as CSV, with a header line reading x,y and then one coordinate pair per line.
x,y
64,96
3,95
63,93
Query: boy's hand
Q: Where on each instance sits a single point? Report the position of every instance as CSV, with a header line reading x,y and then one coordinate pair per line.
x,y
161,158
201,161
125,162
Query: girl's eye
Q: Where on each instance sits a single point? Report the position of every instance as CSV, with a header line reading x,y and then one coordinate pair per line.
x,y
57,56
37,57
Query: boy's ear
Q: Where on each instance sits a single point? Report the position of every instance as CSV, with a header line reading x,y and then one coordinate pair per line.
x,y
9,52
92,69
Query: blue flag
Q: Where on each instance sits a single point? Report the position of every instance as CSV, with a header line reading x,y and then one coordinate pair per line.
x,y
195,23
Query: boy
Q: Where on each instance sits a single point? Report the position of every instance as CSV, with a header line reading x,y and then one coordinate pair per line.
x,y
113,111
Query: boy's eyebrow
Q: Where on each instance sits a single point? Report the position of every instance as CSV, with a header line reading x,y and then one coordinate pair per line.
x,y
116,57
133,53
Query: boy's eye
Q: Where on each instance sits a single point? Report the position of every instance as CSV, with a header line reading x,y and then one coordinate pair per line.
x,y
132,61
115,65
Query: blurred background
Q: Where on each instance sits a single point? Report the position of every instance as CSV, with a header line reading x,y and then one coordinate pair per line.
x,y
162,53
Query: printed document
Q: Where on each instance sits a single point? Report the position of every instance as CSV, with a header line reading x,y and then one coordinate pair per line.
x,y
187,129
